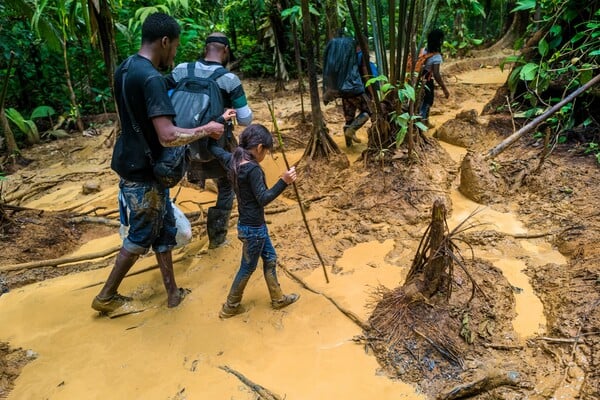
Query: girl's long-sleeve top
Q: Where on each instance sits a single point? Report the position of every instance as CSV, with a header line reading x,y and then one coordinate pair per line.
x,y
252,191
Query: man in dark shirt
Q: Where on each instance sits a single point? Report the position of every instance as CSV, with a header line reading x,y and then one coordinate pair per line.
x,y
144,203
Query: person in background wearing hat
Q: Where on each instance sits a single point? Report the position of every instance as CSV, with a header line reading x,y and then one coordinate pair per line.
x,y
217,54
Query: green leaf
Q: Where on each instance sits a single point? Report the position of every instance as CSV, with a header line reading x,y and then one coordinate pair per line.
x,y
421,126
543,47
42,112
16,118
556,30
513,79
594,53
408,91
528,72
524,5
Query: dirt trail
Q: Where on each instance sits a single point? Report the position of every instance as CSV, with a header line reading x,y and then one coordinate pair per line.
x,y
309,351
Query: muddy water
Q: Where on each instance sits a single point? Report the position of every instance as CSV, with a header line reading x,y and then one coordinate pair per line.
x,y
303,352
511,261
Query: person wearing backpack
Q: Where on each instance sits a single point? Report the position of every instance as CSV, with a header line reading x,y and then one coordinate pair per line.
x,y
145,109
231,95
359,103
344,76
431,72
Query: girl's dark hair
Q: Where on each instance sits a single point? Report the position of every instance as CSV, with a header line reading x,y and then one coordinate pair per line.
x,y
435,39
159,25
250,138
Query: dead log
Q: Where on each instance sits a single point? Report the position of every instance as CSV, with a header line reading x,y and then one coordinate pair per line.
x,y
531,125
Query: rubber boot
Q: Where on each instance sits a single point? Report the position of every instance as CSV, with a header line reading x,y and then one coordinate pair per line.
x,y
217,222
174,294
233,306
359,121
108,299
349,133
278,299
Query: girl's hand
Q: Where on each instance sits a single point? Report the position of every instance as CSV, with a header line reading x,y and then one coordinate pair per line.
x,y
289,176
229,114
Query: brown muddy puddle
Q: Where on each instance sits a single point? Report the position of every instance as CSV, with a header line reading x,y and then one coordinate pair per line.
x,y
303,352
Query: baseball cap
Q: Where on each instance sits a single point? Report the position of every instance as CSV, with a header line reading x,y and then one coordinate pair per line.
x,y
224,41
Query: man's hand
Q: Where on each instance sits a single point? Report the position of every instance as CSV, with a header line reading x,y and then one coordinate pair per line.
x,y
213,129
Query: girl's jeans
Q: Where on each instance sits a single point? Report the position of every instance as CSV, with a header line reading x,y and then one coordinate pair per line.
x,y
256,244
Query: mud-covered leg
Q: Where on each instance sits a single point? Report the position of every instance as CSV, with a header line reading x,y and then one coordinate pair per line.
x,y
175,295
108,299
278,299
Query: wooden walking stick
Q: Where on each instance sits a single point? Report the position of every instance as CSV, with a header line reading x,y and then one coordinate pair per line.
x,y
287,165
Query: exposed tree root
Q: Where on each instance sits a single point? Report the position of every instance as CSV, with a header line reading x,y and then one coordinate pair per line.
x,y
490,381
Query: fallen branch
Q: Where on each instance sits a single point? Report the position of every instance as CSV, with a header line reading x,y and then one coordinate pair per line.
x,y
557,340
59,261
29,192
263,394
539,235
502,346
94,220
531,125
353,317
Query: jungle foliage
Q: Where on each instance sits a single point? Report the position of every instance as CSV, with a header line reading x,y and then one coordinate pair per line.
x,y
60,63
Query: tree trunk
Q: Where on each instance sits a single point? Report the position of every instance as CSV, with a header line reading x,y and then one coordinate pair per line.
x,y
516,29
428,273
435,269
11,143
331,15
320,144
101,16
72,97
298,57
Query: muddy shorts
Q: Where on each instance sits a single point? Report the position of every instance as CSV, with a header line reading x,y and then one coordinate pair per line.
x,y
146,212
351,104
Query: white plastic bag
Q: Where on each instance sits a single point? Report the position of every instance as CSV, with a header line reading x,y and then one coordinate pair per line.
x,y
184,227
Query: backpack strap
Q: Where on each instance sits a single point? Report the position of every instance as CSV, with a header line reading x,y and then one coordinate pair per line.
x,y
191,71
134,123
219,72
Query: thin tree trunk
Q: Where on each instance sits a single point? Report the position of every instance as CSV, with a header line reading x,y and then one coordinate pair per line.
x,y
331,15
301,87
11,143
73,98
320,144
102,17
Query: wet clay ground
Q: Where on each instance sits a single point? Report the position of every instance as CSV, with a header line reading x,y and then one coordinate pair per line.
x,y
531,331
